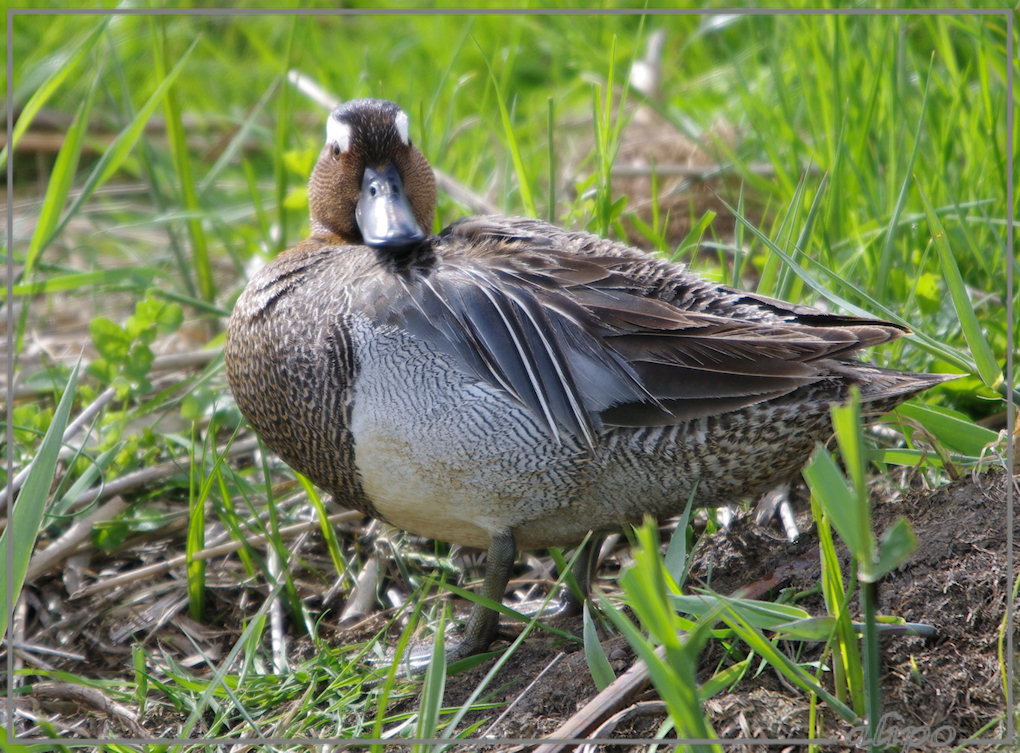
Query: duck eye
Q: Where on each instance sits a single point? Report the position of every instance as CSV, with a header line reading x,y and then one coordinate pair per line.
x,y
336,150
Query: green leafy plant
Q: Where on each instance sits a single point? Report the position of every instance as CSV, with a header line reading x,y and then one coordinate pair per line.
x,y
844,503
648,588
125,353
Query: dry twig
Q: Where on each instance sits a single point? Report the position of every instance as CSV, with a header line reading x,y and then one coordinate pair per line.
x,y
93,699
209,553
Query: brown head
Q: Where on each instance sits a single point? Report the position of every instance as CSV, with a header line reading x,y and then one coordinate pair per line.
x,y
371,185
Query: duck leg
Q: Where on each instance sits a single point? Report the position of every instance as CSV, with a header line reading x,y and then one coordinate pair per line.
x,y
483,622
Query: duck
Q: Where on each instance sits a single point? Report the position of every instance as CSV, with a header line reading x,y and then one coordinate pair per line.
x,y
508,384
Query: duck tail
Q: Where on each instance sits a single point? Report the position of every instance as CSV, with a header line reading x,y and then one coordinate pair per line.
x,y
884,389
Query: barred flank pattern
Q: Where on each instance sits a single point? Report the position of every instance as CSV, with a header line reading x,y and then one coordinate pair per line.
x,y
291,366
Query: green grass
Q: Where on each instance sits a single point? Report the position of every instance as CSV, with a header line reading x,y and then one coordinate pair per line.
x,y
870,171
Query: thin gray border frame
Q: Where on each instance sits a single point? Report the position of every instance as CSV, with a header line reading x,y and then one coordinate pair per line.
x,y
344,743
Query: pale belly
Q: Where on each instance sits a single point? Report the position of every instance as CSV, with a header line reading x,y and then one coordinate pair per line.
x,y
446,457
411,491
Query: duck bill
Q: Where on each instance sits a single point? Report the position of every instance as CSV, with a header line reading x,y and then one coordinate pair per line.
x,y
384,214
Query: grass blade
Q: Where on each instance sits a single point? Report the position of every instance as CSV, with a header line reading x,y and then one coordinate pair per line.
x,y
672,668
552,162
677,559
792,671
523,182
138,277
230,151
766,615
954,430
923,341
885,260
847,667
326,528
62,176
284,113
195,541
987,367
42,95
674,678
30,506
724,678
179,150
433,687
119,150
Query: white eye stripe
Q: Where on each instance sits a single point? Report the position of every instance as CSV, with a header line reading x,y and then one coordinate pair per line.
x,y
338,133
400,121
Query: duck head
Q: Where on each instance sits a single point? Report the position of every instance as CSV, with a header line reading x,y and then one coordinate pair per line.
x,y
371,185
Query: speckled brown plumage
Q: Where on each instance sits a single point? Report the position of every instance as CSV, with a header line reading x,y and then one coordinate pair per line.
x,y
507,383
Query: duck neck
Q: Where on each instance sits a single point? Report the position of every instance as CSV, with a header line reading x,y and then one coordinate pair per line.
x,y
418,257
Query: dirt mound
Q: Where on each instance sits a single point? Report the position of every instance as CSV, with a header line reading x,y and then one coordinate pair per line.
x,y
951,685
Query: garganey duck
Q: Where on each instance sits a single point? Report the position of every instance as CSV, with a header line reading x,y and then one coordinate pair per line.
x,y
508,384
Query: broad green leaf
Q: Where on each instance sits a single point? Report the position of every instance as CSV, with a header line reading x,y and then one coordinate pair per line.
x,y
165,316
138,363
894,548
601,671
111,340
929,296
954,430
840,505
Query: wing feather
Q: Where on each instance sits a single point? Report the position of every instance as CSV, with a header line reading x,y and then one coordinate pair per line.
x,y
587,333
